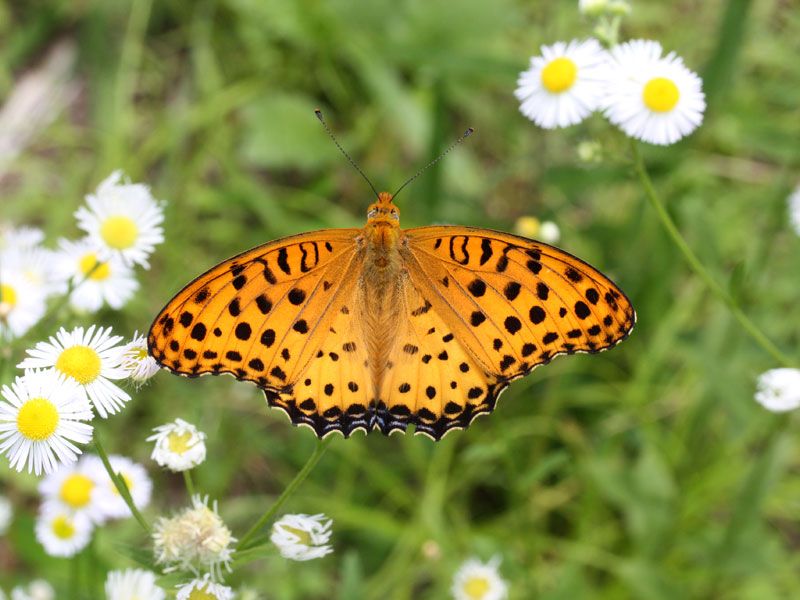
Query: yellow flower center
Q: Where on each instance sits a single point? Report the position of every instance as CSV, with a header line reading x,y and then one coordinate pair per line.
x,y
76,491
179,443
7,295
527,226
198,594
119,232
79,362
37,419
559,75
476,587
660,94
89,264
63,528
128,484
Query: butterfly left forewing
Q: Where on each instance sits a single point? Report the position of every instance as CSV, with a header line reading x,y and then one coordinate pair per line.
x,y
260,315
515,303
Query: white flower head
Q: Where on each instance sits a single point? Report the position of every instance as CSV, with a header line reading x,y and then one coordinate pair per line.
x,y
196,539
593,8
37,267
6,514
62,532
38,589
136,360
476,580
19,238
302,537
779,390
530,227
22,303
122,219
139,484
133,584
76,488
95,282
204,589
564,84
794,209
42,417
179,446
651,97
91,358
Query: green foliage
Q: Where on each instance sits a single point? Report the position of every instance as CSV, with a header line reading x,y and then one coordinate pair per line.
x,y
645,472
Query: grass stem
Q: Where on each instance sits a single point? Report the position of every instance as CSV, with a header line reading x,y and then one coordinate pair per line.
x,y
293,485
694,262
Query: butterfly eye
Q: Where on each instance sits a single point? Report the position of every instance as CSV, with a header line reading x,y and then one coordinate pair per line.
x,y
372,213
395,216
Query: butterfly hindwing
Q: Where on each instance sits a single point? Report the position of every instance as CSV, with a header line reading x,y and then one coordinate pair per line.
x,y
431,380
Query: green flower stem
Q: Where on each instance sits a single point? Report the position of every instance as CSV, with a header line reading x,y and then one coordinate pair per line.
x,y
694,262
119,483
295,483
187,479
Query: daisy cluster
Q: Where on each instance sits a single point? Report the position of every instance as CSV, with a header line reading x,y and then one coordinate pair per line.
x,y
46,412
649,94
121,222
79,497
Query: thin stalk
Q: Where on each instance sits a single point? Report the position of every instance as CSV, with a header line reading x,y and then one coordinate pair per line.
x,y
187,479
295,483
694,262
119,483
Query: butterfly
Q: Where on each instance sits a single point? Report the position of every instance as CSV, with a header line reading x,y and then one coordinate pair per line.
x,y
380,327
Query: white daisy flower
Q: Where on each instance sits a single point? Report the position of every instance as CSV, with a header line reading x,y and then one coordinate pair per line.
x,y
564,85
38,589
204,589
94,282
62,532
6,514
136,360
22,304
193,540
91,358
476,580
302,537
139,485
41,416
37,267
123,219
652,98
794,209
779,390
133,584
75,488
19,237
179,446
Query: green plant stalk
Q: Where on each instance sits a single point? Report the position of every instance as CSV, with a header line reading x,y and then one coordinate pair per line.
x,y
694,262
293,485
119,483
187,479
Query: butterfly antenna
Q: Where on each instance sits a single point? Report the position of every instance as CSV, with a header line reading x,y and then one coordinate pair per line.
x,y
318,112
467,133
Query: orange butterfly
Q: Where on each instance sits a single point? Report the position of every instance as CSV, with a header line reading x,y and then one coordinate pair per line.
x,y
378,328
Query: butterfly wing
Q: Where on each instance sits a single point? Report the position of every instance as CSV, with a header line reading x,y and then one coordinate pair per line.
x,y
511,304
267,316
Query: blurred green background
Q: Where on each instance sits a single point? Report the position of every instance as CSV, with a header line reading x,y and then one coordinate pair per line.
x,y
644,472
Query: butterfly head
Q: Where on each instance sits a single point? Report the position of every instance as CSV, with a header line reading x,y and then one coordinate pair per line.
x,y
383,212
